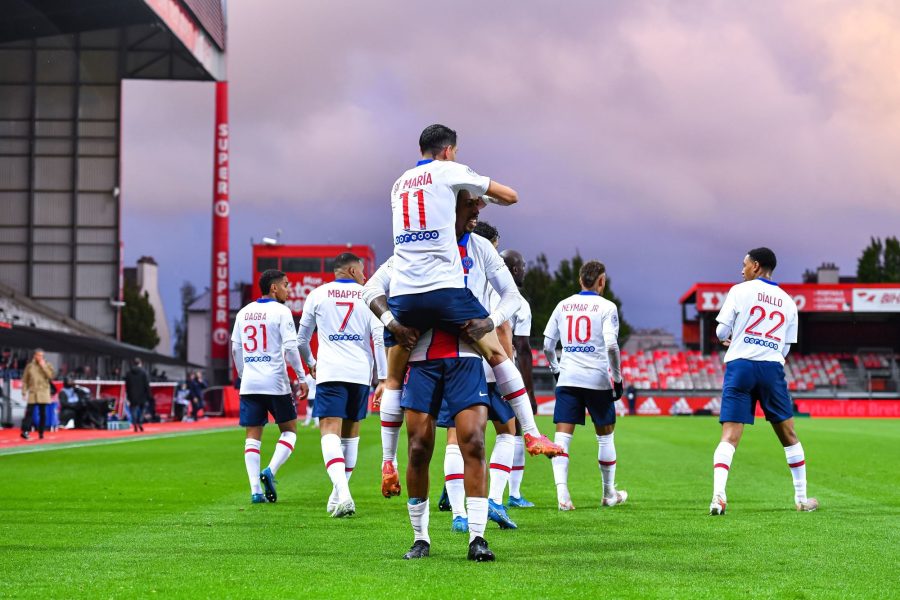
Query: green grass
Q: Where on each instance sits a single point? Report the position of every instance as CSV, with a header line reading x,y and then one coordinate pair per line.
x,y
170,518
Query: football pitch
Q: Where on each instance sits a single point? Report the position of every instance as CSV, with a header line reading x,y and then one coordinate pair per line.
x,y
170,517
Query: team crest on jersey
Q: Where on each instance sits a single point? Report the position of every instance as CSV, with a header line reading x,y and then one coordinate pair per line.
x,y
471,172
396,187
467,262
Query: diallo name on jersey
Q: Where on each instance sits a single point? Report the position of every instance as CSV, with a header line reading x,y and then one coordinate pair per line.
x,y
345,294
761,297
423,179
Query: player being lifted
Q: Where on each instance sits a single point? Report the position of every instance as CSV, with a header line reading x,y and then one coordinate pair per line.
x,y
589,327
348,332
758,323
262,339
428,288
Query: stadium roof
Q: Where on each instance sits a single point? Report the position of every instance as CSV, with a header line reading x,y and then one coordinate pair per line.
x,y
16,336
197,25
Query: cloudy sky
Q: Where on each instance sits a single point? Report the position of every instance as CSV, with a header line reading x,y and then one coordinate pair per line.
x,y
664,138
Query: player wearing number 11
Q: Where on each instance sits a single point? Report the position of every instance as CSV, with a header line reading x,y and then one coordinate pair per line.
x,y
758,323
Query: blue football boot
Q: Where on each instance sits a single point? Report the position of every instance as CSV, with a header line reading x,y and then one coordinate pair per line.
x,y
444,502
520,502
497,514
268,480
258,498
460,525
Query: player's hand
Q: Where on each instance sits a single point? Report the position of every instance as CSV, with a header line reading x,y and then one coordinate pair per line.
x,y
618,389
726,342
405,336
376,398
302,391
312,370
475,329
555,376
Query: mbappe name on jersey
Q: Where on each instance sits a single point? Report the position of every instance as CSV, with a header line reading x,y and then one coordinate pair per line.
x,y
345,294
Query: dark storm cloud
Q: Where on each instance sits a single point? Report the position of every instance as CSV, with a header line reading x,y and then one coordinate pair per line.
x,y
664,138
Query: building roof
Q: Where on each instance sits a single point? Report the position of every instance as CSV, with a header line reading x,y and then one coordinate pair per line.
x,y
201,302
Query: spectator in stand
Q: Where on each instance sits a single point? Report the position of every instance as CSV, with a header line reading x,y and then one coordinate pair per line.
x,y
631,396
36,383
196,384
137,391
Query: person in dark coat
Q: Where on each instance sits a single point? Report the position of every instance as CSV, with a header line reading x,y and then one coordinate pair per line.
x,y
137,392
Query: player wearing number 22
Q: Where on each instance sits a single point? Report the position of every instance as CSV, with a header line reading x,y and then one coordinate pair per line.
x,y
758,323
350,338
262,340
588,324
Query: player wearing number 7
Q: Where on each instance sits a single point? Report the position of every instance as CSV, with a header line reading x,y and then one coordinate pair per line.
x,y
262,340
758,323
350,338
589,377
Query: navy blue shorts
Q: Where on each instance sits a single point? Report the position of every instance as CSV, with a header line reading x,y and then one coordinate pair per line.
x,y
255,409
498,409
446,309
749,381
339,399
450,385
571,402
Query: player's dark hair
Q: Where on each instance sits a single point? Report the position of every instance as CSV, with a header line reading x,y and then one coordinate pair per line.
x,y
765,258
435,138
345,259
269,277
590,272
487,231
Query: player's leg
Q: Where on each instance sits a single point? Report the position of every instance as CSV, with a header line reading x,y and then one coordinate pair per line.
x,y
470,424
420,436
737,410
516,499
500,467
454,481
602,408
796,459
253,417
350,445
284,412
568,412
391,420
332,400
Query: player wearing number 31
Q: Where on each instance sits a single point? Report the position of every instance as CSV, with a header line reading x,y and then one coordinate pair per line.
x,y
262,340
758,323
350,337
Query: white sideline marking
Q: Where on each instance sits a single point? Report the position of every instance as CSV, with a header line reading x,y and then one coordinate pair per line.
x,y
88,443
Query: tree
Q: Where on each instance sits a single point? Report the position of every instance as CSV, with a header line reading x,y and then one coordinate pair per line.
x,y
544,291
188,295
138,319
880,262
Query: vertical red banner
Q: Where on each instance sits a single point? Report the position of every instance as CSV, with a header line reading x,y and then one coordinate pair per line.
x,y
219,289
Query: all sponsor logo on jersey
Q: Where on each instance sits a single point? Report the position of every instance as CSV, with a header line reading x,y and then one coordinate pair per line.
x,y
258,359
579,349
416,236
345,337
759,342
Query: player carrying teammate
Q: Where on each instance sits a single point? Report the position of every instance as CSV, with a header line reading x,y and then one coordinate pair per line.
x,y
263,338
589,327
347,333
758,323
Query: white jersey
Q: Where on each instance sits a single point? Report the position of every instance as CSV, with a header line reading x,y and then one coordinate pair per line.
x,y
423,203
347,332
264,329
587,323
521,320
762,317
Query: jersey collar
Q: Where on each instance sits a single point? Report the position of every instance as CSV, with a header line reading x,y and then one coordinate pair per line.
x,y
265,299
424,161
464,240
345,281
587,293
764,280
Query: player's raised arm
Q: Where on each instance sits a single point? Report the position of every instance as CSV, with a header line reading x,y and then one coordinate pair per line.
x,y
497,193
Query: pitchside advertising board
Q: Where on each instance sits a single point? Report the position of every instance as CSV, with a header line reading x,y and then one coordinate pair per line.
x,y
307,266
827,298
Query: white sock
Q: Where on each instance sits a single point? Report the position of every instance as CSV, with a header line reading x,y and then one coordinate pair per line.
x,y
454,480
251,460
518,468
334,464
512,387
350,448
607,459
501,465
391,421
721,466
561,467
283,449
418,517
797,462
478,513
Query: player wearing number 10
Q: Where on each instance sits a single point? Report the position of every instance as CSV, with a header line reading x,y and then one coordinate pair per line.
x,y
263,338
758,323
